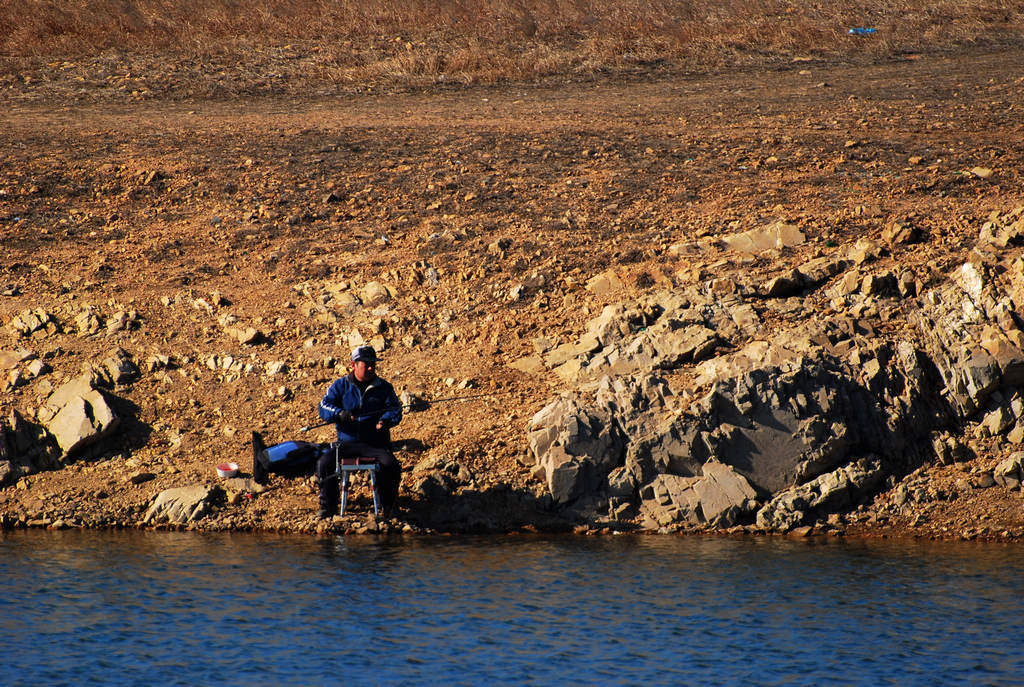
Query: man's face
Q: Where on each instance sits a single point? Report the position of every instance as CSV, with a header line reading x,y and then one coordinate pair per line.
x,y
364,370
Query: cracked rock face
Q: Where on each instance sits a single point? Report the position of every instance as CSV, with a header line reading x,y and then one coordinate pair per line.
x,y
809,420
718,498
752,436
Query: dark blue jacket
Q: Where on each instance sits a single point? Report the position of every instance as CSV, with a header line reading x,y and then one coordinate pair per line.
x,y
377,403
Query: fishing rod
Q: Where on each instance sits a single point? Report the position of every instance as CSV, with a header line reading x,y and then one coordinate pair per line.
x,y
415,403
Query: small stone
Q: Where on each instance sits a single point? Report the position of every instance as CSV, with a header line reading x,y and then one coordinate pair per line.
x,y
997,421
374,294
849,284
122,321
157,362
37,368
29,322
1008,472
201,304
83,418
723,286
784,286
604,284
249,336
499,247
863,251
883,284
777,235
120,367
1016,435
181,504
10,359
87,322
531,364
901,233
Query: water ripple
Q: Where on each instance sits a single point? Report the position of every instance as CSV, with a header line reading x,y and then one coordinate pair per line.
x,y
183,608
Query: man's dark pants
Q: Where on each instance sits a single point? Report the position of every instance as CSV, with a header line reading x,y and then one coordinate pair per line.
x,y
388,477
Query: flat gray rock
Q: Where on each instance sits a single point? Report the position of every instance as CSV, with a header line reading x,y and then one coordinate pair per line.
x,y
182,505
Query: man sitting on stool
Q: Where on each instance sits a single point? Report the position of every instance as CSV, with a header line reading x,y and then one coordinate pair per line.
x,y
364,408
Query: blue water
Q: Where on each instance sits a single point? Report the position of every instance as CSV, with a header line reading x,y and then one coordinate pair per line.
x,y
140,608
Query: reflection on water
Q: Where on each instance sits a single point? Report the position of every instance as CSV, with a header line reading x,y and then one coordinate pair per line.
x,y
193,609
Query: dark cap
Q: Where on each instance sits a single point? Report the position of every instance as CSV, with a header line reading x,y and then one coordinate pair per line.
x,y
364,353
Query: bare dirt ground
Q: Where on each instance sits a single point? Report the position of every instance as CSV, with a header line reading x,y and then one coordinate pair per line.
x,y
484,211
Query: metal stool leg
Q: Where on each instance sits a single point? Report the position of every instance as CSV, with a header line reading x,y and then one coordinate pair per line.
x,y
344,490
376,496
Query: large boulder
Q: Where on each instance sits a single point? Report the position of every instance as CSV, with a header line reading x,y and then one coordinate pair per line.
x,y
782,425
777,428
1010,471
574,447
81,415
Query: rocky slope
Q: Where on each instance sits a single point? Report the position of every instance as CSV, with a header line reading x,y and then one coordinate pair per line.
x,y
754,302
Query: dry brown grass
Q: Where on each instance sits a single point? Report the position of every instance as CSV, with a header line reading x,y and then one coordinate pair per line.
x,y
195,47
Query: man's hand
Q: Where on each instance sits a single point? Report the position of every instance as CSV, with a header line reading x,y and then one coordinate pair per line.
x,y
343,416
380,425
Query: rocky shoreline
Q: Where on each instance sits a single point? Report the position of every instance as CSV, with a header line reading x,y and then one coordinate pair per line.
x,y
761,436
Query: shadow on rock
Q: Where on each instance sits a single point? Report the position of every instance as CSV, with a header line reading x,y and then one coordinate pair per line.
x,y
25,448
495,509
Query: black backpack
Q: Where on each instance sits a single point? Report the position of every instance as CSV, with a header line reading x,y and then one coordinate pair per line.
x,y
289,459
